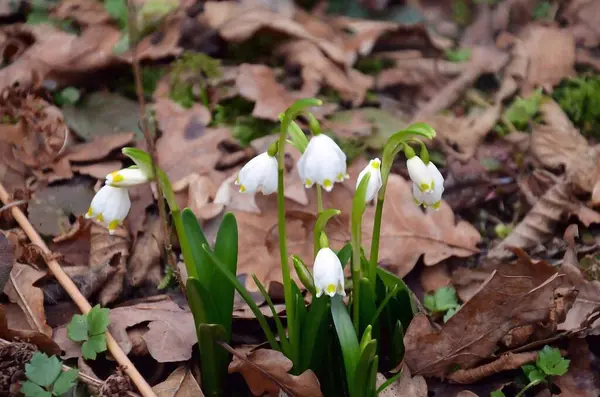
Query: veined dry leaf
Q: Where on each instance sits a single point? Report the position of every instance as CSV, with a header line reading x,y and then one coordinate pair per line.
x,y
255,365
582,379
405,386
85,12
30,299
538,225
98,147
73,246
467,281
7,258
59,56
583,18
41,340
103,248
435,277
194,191
180,383
258,83
146,256
98,170
514,295
548,65
408,232
171,335
318,70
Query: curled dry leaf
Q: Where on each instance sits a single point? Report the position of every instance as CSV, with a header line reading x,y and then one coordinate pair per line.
x,y
548,65
409,232
30,299
171,334
266,371
584,19
85,12
106,248
147,252
181,383
506,362
41,340
406,385
582,379
514,295
435,277
7,258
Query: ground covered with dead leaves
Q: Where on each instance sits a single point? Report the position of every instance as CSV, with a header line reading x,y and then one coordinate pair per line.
x,y
509,264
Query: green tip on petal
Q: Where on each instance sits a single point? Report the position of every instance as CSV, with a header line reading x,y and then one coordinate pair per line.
x,y
331,289
327,183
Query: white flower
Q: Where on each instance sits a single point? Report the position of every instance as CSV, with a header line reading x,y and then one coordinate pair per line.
x,y
110,207
126,177
432,198
323,162
420,175
328,273
374,169
260,174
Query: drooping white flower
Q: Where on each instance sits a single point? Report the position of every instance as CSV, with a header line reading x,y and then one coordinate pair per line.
x,y
126,177
328,274
110,206
323,162
432,198
374,169
259,174
419,174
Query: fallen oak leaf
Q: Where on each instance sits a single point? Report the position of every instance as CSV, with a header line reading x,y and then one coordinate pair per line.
x,y
7,258
582,379
406,385
267,371
514,295
505,362
410,233
181,383
41,340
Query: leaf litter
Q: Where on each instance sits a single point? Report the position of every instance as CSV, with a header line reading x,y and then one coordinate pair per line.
x,y
518,172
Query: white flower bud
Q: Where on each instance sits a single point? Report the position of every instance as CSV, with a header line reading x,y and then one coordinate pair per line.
x,y
110,206
328,274
374,169
259,174
419,174
323,162
126,177
432,198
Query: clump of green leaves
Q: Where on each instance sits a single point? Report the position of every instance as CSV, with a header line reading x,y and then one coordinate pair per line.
x,y
90,329
190,72
521,112
549,362
458,54
67,96
40,13
542,10
579,97
372,66
237,113
45,377
461,12
443,300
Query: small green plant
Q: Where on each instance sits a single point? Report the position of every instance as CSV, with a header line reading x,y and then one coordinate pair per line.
x,y
458,54
236,112
374,66
542,10
579,97
443,300
190,71
40,13
461,12
67,96
90,329
45,377
521,112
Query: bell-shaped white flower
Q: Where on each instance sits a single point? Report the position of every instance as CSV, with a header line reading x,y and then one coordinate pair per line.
x,y
259,174
374,169
323,162
110,207
126,177
432,198
419,174
328,274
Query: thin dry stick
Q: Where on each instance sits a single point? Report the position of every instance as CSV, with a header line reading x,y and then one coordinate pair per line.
x,y
81,302
149,139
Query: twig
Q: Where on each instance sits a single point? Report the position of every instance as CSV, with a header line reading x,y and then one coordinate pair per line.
x,y
150,140
81,302
504,363
12,204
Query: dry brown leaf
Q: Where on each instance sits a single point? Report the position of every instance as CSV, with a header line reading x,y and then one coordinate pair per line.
x,y
57,55
582,379
7,259
548,65
42,341
30,299
85,12
266,371
104,248
318,70
146,255
583,18
505,362
98,148
538,225
588,298
238,22
514,295
73,246
467,281
98,170
408,232
405,386
171,334
194,191
435,277
141,198
163,42
180,383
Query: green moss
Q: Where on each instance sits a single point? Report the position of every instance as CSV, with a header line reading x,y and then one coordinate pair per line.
x,y
521,112
40,13
579,97
125,83
237,114
187,71
461,12
373,66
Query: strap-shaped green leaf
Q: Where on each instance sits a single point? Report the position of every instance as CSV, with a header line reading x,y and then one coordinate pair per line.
x,y
348,340
197,264
226,249
316,315
320,224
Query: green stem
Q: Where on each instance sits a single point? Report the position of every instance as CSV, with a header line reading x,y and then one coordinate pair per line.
x,y
319,200
285,269
356,280
375,240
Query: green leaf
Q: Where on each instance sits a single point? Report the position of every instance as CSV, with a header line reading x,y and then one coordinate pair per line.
x,y
344,254
347,337
458,55
96,344
522,110
64,382
214,361
497,393
310,332
298,138
533,373
69,95
77,330
30,389
42,369
443,299
197,262
361,378
367,307
117,9
98,320
451,312
320,224
226,249
551,362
